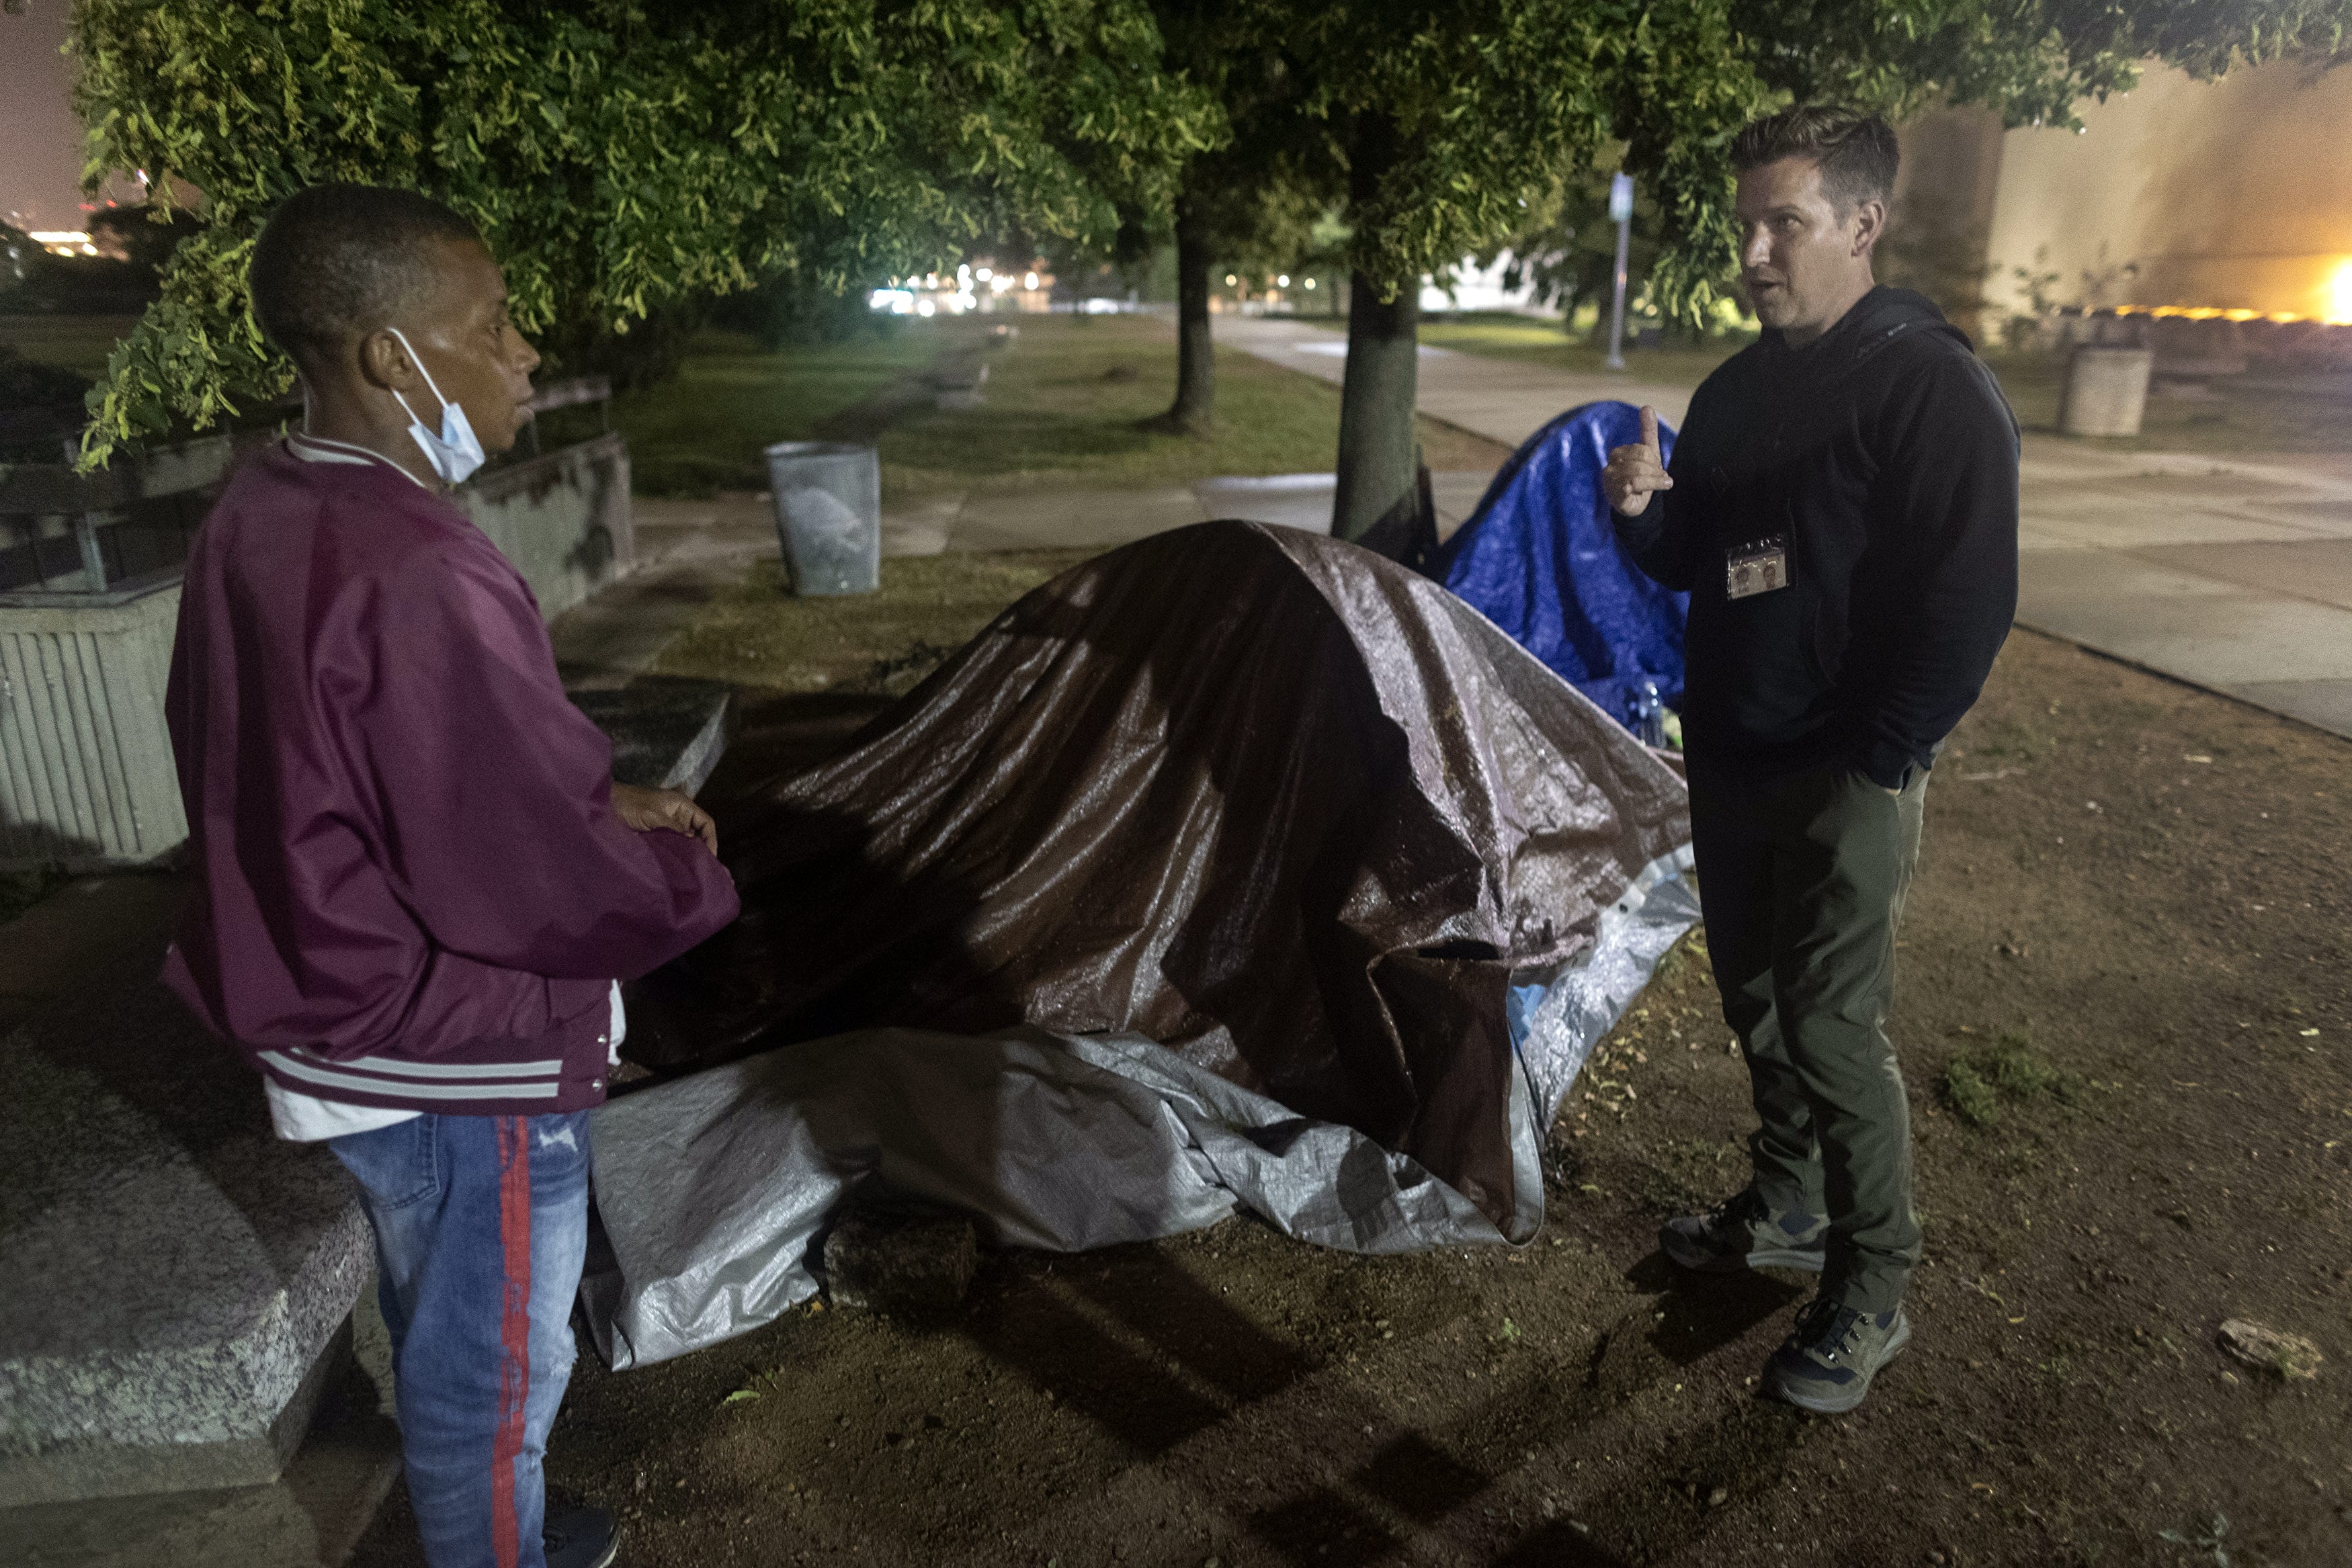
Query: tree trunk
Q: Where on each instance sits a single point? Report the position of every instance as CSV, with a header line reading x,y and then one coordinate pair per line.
x,y
1379,502
1196,367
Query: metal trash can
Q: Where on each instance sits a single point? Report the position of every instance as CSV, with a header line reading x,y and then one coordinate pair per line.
x,y
828,499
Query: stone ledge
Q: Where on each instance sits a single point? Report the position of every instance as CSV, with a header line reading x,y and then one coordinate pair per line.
x,y
176,1271
312,1516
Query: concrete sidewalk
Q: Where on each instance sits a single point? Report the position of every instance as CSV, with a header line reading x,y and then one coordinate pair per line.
x,y
1502,399
2234,574
1104,519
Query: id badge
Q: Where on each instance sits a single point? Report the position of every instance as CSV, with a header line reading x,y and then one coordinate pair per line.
x,y
1760,566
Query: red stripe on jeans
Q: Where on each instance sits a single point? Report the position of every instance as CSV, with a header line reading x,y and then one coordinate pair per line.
x,y
514,1336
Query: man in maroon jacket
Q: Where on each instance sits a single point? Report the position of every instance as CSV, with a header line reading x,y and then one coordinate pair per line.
x,y
418,886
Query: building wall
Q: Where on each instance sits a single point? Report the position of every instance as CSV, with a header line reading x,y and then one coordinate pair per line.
x,y
2235,194
1941,219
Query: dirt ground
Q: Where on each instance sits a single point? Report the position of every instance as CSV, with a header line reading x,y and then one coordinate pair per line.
x,y
2123,1011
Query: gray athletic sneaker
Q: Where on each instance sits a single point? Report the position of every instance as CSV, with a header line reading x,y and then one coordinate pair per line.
x,y
1743,1231
1827,1364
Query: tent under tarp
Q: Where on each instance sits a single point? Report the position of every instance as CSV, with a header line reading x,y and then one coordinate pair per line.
x,y
1540,559
1238,868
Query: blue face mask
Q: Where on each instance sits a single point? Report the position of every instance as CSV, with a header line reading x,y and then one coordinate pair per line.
x,y
456,452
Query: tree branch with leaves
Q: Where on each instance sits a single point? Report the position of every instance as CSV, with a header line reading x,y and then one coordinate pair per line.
x,y
617,155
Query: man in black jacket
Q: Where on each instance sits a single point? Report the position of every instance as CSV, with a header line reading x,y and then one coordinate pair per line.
x,y
1842,509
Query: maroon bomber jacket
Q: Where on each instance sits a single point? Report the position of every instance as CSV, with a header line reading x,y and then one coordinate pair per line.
x,y
411,888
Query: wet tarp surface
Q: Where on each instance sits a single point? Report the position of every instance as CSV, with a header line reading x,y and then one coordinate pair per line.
x,y
1239,867
1540,559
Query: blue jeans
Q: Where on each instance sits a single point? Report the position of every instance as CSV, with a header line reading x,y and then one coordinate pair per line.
x,y
481,1225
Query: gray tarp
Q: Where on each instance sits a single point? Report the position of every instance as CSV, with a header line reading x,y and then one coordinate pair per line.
x,y
1234,869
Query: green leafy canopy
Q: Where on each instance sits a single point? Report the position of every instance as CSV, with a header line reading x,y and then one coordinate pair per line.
x,y
620,154
617,155
1442,123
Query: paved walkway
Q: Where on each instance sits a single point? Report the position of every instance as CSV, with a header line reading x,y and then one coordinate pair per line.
x,y
1059,519
2233,574
1502,399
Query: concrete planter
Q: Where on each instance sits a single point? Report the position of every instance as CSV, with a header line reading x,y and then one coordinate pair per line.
x,y
86,774
86,769
562,518
2106,392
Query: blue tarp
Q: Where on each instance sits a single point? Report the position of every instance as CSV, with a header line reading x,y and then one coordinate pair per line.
x,y
1540,559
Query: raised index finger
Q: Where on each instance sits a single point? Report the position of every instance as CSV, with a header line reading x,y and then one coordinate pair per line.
x,y
1649,428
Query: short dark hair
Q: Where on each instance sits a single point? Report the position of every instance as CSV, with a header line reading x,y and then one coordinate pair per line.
x,y
336,260
1856,151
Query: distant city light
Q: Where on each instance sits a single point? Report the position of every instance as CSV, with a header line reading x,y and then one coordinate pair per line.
x,y
896,301
982,272
1310,283
1028,280
63,242
2217,313
1231,280
2339,296
925,307
1282,282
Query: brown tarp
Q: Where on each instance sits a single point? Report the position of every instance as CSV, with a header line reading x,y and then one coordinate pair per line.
x,y
1287,808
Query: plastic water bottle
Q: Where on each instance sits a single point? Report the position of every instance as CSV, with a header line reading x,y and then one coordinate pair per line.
x,y
1649,715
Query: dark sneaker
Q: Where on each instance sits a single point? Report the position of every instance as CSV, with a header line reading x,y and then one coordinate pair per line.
x,y
1828,1362
1743,1231
578,1537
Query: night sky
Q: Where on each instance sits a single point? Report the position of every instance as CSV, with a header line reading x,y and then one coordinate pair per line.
x,y
40,140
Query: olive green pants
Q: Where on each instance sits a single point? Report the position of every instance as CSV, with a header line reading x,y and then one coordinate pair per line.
x,y
1802,881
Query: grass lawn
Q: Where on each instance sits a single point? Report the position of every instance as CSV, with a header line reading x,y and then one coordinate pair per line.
x,y
808,672
1064,407
1503,336
702,431
760,636
79,343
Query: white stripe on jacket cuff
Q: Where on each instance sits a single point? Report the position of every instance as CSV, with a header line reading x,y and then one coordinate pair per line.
x,y
478,1090
551,1067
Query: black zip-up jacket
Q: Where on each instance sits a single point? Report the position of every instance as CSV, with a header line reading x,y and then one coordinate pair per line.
x,y
1884,455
